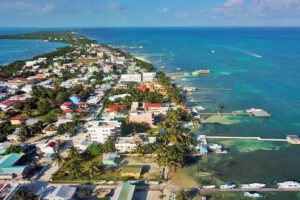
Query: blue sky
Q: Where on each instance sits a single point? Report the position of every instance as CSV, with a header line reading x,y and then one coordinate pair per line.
x,y
112,13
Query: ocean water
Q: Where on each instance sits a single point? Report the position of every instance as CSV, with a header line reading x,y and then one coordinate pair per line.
x,y
263,67
13,50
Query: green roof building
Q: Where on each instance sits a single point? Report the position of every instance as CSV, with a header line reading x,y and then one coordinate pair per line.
x,y
124,192
9,170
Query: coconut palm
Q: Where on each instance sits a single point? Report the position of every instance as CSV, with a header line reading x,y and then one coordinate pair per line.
x,y
58,159
73,152
219,107
93,169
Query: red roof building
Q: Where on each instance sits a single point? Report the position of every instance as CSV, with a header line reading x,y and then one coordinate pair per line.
x,y
80,110
152,105
67,103
113,108
68,111
143,87
83,103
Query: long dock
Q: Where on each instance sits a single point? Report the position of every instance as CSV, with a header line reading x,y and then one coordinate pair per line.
x,y
245,190
232,113
246,138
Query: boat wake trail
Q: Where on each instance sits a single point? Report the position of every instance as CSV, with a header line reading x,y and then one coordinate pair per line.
x,y
245,52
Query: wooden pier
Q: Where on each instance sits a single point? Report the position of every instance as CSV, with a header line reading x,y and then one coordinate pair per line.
x,y
247,138
263,114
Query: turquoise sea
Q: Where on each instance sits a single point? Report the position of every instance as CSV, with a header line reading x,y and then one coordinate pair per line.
x,y
13,50
263,67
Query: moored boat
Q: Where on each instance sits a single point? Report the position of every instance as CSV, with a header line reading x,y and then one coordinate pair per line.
x,y
253,185
288,184
227,186
209,187
197,72
252,194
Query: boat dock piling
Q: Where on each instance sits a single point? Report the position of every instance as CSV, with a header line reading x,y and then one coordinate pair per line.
x,y
246,138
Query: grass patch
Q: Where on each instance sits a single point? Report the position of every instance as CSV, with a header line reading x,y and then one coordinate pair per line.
x,y
86,60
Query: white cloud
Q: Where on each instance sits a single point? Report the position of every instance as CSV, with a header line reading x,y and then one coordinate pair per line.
x,y
163,10
183,15
27,7
232,3
47,7
256,8
114,6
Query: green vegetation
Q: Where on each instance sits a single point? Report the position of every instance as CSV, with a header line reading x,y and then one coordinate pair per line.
x,y
131,127
13,69
69,37
14,149
131,169
172,90
137,95
24,193
182,195
86,60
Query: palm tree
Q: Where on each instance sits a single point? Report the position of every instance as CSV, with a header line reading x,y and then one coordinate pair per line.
x,y
75,168
93,169
58,159
219,107
73,152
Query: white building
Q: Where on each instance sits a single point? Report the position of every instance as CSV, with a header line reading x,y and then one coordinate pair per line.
x,y
124,144
131,77
107,68
27,88
99,131
62,192
149,76
120,96
82,145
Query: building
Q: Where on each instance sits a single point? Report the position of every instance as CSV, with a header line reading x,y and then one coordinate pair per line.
x,y
149,76
117,97
9,168
134,107
107,68
132,171
14,136
156,108
110,159
126,144
99,131
82,145
140,117
27,88
114,108
124,192
16,120
66,105
62,192
31,122
131,77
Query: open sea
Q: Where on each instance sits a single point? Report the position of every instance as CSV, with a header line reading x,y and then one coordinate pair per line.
x,y
261,64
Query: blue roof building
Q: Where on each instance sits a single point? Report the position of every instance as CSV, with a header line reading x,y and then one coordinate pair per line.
x,y
203,150
75,99
9,170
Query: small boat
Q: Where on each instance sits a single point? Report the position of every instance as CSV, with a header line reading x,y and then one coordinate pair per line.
x,y
178,69
212,51
197,72
214,146
227,186
209,187
288,184
253,185
252,194
293,139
